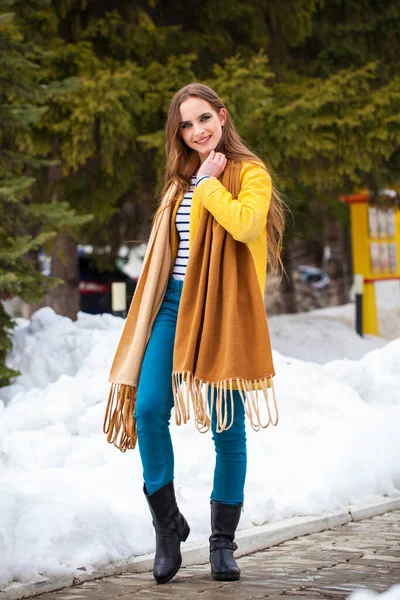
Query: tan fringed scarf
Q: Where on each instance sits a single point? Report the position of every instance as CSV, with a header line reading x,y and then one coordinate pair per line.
x,y
222,340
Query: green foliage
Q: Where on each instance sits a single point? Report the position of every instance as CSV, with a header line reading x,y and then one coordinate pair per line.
x,y
6,326
292,20
246,87
26,224
332,135
322,110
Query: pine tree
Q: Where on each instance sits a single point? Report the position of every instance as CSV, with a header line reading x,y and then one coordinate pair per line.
x,y
25,226
321,110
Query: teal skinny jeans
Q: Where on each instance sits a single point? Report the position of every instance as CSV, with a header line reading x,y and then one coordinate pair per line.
x,y
154,404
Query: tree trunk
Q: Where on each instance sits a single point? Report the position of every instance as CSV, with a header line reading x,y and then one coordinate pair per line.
x,y
287,287
63,299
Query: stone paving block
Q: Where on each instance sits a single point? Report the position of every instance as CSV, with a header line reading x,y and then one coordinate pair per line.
x,y
237,594
69,597
374,562
382,557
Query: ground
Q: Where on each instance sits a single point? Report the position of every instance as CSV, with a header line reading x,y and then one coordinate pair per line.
x,y
330,564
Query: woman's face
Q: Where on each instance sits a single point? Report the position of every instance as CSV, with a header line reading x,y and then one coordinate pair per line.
x,y
200,125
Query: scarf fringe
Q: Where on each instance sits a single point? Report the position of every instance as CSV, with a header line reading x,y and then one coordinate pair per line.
x,y
191,392
119,421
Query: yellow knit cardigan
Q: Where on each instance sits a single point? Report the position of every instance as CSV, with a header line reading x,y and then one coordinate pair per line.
x,y
244,217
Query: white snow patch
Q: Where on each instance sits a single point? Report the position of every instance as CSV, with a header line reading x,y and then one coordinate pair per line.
x,y
392,593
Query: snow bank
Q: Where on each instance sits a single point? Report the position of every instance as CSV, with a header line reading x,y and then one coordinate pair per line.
x,y
71,500
391,594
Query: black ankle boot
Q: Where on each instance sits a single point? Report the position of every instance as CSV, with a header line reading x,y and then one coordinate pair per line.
x,y
171,529
224,521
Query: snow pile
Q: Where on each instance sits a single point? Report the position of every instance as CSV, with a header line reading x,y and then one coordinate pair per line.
x,y
320,338
391,594
70,500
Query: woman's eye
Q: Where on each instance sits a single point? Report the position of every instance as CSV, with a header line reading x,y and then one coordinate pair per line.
x,y
204,118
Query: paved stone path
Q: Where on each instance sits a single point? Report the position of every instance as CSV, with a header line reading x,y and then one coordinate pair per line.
x,y
330,564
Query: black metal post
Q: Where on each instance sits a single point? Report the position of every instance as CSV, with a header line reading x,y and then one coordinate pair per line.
x,y
359,289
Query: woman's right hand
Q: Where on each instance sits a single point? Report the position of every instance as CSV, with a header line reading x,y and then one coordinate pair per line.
x,y
213,166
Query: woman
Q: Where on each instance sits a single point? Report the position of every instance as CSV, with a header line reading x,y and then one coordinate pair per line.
x,y
196,336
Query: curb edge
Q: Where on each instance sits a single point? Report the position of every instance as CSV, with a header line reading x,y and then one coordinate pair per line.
x,y
251,540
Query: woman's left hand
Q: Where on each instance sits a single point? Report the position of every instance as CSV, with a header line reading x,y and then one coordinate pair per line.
x,y
213,166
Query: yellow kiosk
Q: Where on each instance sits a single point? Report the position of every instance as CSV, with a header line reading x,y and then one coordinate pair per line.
x,y
375,233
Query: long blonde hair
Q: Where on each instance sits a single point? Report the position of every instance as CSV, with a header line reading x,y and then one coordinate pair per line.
x,y
231,144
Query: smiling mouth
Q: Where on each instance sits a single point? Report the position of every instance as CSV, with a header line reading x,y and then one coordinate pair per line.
x,y
204,141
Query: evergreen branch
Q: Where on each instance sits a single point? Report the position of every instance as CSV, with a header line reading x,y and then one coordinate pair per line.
x,y
16,248
15,188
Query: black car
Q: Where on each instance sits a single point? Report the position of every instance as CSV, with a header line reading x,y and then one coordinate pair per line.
x,y
95,285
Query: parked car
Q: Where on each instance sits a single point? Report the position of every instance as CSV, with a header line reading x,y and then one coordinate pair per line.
x,y
95,284
313,276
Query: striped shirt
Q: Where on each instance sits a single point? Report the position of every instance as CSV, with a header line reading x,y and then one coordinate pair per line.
x,y
182,224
